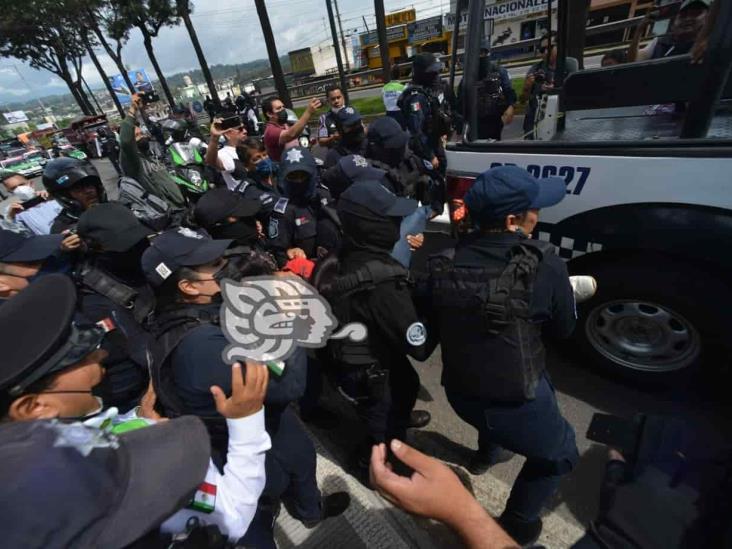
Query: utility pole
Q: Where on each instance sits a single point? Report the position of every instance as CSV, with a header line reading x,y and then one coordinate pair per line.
x,y
337,49
274,59
365,24
43,107
343,38
383,44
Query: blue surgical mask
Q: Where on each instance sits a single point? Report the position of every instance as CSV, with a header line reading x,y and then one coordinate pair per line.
x,y
265,167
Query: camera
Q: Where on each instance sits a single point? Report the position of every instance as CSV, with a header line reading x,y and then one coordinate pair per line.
x,y
149,97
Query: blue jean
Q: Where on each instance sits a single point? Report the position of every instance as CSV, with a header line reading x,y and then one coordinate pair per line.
x,y
413,224
534,429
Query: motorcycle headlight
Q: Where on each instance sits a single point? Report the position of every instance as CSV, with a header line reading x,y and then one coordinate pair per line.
x,y
194,177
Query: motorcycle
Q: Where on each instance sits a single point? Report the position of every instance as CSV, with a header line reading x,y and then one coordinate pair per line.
x,y
184,159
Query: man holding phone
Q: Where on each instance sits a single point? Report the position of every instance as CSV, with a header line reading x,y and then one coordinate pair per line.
x,y
225,159
278,136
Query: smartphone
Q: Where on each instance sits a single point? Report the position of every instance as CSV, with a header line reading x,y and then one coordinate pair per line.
x,y
228,123
28,204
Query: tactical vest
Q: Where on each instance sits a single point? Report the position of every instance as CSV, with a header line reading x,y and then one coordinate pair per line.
x,y
491,97
305,219
356,356
491,349
438,119
139,301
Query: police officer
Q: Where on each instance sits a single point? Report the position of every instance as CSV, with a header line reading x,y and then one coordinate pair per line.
x,y
76,185
491,299
228,214
426,104
327,127
113,289
54,372
371,288
110,147
186,267
351,138
303,222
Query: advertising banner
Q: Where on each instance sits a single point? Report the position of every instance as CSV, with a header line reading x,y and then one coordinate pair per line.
x,y
139,79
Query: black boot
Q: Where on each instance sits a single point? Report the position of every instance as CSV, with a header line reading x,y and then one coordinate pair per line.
x,y
331,506
524,532
419,419
480,463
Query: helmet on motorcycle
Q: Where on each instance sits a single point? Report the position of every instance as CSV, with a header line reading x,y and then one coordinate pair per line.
x,y
61,174
174,128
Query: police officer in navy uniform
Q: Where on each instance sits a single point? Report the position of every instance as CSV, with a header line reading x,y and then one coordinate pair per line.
x,y
352,136
426,104
186,268
366,285
304,222
491,299
113,289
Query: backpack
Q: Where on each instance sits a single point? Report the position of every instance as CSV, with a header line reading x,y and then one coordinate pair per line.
x,y
150,209
490,95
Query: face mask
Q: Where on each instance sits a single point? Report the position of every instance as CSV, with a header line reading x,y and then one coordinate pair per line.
x,y
336,109
282,117
143,146
24,193
264,167
353,138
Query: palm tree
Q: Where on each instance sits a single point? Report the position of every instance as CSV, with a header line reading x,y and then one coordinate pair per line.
x,y
184,10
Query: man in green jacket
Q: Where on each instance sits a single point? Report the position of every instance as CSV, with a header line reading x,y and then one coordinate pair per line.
x,y
137,164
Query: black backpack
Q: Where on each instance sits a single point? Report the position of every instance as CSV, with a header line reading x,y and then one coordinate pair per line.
x,y
150,209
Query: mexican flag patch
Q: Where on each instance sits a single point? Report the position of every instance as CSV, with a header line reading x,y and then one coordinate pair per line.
x,y
416,106
205,498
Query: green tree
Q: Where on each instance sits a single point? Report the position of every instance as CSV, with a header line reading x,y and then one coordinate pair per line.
x,y
149,16
43,33
107,16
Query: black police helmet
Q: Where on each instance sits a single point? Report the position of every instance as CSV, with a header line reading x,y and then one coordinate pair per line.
x,y
61,174
426,67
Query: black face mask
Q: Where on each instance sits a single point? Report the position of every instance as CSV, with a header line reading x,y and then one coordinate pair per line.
x,y
391,157
143,146
353,138
282,117
364,230
242,231
125,265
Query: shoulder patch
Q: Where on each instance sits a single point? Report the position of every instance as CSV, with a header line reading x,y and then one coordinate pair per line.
x,y
416,106
273,230
281,205
416,334
204,499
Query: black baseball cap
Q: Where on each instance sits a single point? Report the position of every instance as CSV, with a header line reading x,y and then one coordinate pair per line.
x,y
297,159
217,204
348,116
55,341
386,133
112,226
507,190
376,198
176,248
77,486
16,248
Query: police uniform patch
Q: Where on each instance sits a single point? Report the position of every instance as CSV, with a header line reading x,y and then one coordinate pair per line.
x,y
299,221
416,106
294,155
281,205
416,334
360,161
204,499
274,227
265,198
163,270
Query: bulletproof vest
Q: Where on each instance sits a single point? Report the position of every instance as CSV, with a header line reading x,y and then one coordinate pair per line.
x,y
139,301
330,123
490,347
306,217
350,354
169,330
438,119
491,97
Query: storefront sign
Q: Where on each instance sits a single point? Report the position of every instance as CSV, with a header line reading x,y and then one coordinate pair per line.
x,y
502,10
425,29
392,35
400,17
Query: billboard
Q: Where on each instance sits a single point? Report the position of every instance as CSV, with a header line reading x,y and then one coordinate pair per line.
x,y
400,17
392,35
425,29
301,62
15,117
139,79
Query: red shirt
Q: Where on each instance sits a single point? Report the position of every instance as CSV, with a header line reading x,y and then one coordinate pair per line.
x,y
272,141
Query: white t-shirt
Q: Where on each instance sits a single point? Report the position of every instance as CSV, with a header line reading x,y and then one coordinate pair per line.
x,y
227,155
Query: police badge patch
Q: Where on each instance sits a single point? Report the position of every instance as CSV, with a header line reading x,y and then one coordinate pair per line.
x,y
274,227
416,334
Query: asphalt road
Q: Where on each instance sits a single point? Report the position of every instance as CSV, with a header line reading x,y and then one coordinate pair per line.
x,y
581,392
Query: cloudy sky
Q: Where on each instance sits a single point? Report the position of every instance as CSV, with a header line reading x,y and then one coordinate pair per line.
x,y
229,32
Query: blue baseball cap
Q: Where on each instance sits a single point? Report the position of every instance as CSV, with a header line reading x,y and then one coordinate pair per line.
x,y
510,190
17,248
348,116
373,196
385,132
176,248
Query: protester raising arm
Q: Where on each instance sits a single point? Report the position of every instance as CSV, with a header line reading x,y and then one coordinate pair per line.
x,y
433,491
288,134
212,152
129,156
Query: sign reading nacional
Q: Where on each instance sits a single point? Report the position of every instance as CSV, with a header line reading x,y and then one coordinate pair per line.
x,y
503,10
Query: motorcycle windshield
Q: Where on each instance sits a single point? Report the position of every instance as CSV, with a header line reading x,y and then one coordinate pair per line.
x,y
183,153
